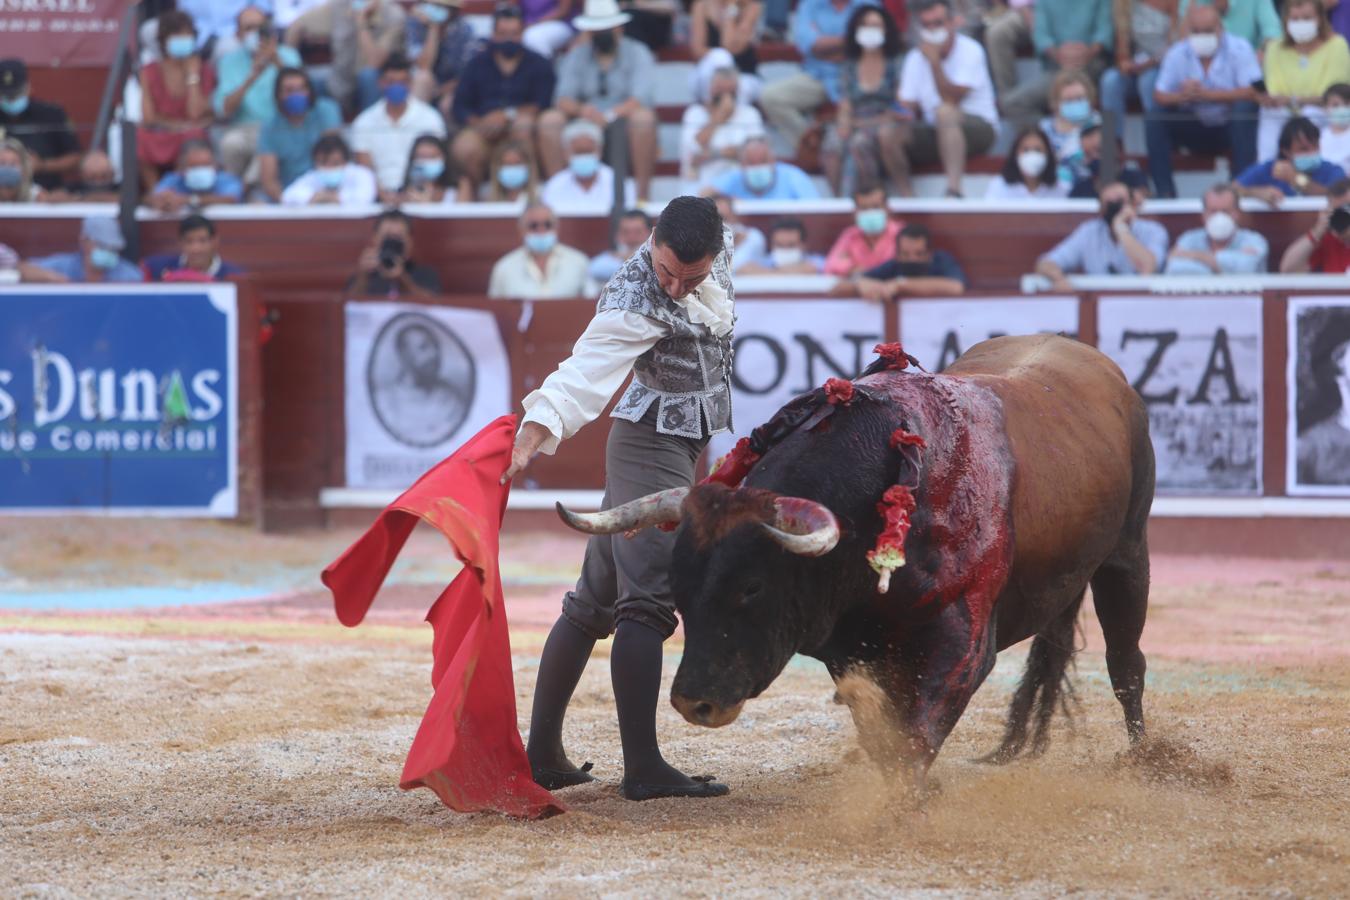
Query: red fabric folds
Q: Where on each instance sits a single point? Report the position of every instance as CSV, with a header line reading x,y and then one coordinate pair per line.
x,y
468,748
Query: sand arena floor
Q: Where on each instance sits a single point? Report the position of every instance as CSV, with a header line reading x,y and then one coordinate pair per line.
x,y
253,747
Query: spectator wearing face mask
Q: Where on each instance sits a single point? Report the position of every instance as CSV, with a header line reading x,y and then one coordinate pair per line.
x,y
1255,21
635,226
432,176
334,179
16,174
1334,143
286,144
96,182
198,181
1325,247
541,268
98,260
870,241
1298,170
1206,102
44,128
500,95
1222,246
441,42
587,184
1298,69
245,96
713,131
1030,171
787,253
762,177
868,127
360,35
1116,242
917,270
1068,35
175,97
1072,100
383,135
197,259
747,243
512,178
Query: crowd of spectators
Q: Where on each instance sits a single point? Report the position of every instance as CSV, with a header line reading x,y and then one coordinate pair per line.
x,y
416,103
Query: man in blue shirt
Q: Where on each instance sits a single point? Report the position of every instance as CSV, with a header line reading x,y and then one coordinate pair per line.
x,y
1067,34
819,35
916,271
196,182
1205,99
98,260
1222,246
1299,170
762,177
246,86
1117,242
216,20
198,258
286,144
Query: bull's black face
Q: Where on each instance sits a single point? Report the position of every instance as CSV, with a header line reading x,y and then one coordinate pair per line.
x,y
739,601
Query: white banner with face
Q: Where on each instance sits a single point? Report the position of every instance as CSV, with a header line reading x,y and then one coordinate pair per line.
x,y
936,332
421,380
788,347
1318,381
1196,361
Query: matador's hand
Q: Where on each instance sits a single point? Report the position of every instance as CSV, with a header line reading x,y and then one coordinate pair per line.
x,y
528,441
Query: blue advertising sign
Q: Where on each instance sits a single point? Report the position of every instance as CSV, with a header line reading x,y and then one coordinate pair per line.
x,y
119,400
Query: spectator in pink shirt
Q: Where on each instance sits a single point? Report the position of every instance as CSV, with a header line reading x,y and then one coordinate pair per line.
x,y
870,241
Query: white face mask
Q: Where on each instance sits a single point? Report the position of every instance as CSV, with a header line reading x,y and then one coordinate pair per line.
x,y
1031,163
1204,45
1303,30
934,35
870,38
786,256
1220,227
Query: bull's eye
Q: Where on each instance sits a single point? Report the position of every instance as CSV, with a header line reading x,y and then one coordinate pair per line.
x,y
751,592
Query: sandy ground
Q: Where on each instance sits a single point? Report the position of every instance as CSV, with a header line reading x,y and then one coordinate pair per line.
x,y
254,748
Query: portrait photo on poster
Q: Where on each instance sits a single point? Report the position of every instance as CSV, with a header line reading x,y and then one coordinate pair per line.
x,y
421,380
1319,405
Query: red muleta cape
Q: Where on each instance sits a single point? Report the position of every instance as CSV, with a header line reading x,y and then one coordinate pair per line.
x,y
468,747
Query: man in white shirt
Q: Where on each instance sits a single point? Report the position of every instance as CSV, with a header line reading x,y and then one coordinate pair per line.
x,y
945,81
540,269
383,135
712,132
334,178
667,318
587,184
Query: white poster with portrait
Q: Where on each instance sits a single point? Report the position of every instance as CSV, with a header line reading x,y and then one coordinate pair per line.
x,y
1196,362
421,380
1318,381
936,332
784,348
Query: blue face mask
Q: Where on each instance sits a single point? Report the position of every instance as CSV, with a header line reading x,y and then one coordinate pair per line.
x,y
251,41
396,94
758,178
1076,111
1338,115
513,177
180,46
1307,162
103,258
10,176
359,6
871,221
584,165
329,179
295,104
541,241
199,178
427,169
435,13
14,106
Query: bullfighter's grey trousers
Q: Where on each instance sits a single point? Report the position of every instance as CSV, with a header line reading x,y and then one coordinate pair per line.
x,y
629,578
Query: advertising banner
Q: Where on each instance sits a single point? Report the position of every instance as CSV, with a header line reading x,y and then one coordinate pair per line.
x,y
936,332
119,401
787,347
421,380
1318,381
1196,361
61,32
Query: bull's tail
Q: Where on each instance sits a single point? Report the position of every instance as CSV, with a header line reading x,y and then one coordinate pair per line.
x,y
1045,686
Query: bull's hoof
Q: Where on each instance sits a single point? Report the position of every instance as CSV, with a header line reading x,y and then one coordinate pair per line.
x,y
702,786
554,779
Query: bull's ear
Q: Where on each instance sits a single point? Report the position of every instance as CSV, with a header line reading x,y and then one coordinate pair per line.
x,y
909,448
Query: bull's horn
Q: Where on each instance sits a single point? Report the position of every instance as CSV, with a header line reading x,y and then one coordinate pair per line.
x,y
661,508
804,527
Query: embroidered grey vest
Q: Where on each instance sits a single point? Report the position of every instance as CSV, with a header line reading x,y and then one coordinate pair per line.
x,y
688,372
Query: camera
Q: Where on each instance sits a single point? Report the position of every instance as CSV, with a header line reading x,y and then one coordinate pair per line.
x,y
1340,219
392,250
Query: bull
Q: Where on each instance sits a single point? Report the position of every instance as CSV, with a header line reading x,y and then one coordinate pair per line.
x,y
1025,474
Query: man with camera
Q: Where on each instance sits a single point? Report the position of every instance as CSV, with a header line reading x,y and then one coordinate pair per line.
x,y
386,268
1324,248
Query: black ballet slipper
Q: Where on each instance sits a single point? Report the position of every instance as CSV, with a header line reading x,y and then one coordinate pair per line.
x,y
703,786
553,779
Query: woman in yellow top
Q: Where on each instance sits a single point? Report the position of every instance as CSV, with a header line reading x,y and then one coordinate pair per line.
x,y
1299,69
